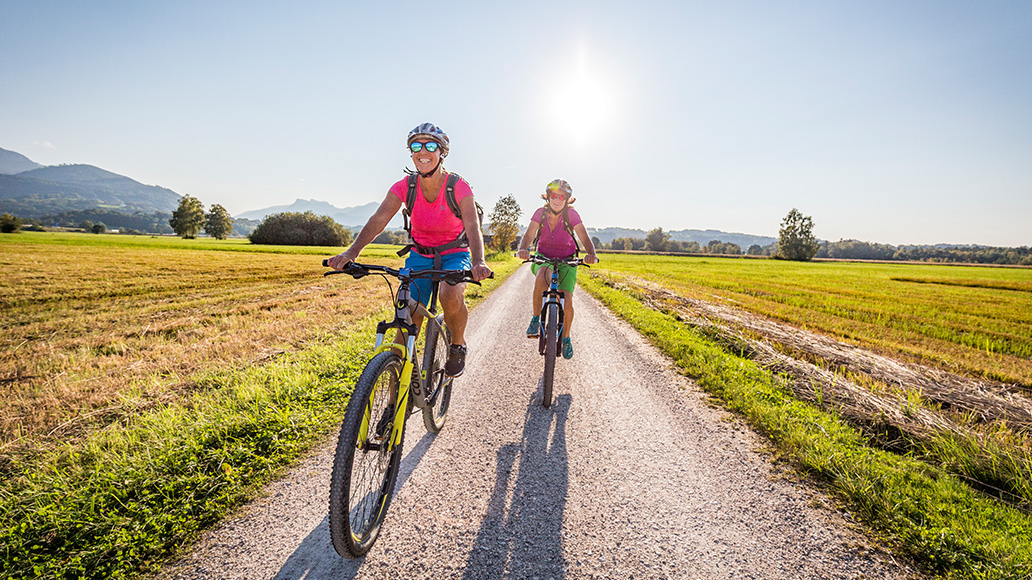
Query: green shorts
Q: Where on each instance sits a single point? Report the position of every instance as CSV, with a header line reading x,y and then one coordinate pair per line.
x,y
567,276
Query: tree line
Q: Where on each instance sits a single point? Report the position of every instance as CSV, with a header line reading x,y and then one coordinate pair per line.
x,y
795,238
857,250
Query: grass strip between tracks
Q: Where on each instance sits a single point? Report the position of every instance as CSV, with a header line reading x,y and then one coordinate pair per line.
x,y
945,526
119,503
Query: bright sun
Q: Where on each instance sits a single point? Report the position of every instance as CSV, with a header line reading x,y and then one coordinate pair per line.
x,y
581,104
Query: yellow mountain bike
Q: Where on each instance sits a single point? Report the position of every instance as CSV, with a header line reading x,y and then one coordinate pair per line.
x,y
365,465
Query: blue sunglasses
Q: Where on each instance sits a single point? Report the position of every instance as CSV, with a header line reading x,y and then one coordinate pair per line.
x,y
416,146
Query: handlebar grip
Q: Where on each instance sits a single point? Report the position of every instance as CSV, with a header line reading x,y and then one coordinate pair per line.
x,y
326,262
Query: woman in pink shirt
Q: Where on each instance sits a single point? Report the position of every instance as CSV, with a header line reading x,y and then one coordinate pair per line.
x,y
434,229
556,222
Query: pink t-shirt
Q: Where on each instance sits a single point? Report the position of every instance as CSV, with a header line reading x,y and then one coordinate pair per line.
x,y
556,243
434,224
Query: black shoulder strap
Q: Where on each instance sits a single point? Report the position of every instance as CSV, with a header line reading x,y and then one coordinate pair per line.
x,y
411,199
569,228
449,194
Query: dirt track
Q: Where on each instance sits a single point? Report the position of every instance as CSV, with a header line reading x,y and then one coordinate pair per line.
x,y
630,474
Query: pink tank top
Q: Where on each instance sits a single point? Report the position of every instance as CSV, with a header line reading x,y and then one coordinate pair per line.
x,y
557,242
434,224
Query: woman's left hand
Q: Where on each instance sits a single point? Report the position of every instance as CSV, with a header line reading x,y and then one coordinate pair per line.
x,y
590,259
480,271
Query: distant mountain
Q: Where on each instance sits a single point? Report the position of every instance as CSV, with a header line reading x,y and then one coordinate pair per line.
x,y
11,163
348,216
703,237
58,188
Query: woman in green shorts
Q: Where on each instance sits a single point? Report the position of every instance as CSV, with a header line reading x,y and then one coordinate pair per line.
x,y
557,223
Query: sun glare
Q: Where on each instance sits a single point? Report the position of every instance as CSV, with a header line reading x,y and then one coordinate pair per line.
x,y
581,103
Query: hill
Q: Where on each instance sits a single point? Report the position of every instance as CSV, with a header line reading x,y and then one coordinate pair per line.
x,y
348,216
54,189
11,163
703,237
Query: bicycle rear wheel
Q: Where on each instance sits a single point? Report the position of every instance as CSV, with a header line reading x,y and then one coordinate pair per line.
x,y
365,466
551,340
438,383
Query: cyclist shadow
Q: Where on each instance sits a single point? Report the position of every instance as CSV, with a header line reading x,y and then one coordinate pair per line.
x,y
315,558
524,537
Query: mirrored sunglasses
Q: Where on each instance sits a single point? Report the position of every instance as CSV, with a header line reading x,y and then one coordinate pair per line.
x,y
416,146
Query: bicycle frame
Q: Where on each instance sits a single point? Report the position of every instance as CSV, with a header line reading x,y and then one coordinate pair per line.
x,y
553,295
403,323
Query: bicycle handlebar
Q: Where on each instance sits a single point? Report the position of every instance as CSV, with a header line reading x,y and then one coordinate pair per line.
x,y
539,259
356,270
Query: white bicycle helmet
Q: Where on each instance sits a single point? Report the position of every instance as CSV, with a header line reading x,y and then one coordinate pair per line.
x,y
559,185
431,132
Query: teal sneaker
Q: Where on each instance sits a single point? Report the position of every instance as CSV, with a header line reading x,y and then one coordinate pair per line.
x,y
567,348
535,327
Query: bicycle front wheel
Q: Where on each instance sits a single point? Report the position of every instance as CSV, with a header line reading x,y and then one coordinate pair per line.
x,y
438,385
551,341
365,466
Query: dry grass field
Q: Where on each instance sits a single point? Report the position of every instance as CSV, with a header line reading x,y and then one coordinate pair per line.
x,y
98,327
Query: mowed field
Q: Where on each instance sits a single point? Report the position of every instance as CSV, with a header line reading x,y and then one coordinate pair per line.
x,y
99,327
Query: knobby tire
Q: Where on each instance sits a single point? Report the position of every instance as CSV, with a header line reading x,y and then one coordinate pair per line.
x,y
438,385
363,480
551,340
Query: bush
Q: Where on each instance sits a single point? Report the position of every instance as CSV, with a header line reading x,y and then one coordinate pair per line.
x,y
300,229
9,224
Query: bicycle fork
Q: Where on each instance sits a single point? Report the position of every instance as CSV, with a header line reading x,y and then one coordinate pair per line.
x,y
402,400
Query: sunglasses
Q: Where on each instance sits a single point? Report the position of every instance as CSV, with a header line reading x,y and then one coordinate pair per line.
x,y
416,146
556,195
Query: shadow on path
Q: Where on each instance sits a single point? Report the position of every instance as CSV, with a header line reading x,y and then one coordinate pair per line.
x,y
522,537
315,558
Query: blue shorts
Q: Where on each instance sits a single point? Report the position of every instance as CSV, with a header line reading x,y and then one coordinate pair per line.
x,y
422,288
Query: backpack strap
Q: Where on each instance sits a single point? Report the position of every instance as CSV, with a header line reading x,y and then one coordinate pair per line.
x,y
449,195
569,229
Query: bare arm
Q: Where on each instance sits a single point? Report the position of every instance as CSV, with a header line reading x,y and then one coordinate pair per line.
x,y
524,248
589,247
468,208
377,222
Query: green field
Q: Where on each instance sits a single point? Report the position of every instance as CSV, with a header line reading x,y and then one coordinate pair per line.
x,y
970,320
152,384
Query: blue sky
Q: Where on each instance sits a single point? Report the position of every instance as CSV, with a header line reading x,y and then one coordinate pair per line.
x,y
895,122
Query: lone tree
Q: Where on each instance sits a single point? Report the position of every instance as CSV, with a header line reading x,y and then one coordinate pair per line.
x,y
796,241
189,218
505,222
218,223
657,240
300,229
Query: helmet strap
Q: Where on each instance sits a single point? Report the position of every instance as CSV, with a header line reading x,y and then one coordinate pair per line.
x,y
432,171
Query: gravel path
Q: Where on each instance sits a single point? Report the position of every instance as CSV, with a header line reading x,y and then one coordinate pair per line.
x,y
630,474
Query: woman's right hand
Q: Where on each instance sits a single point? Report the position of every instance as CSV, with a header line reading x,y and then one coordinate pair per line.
x,y
340,260
523,254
